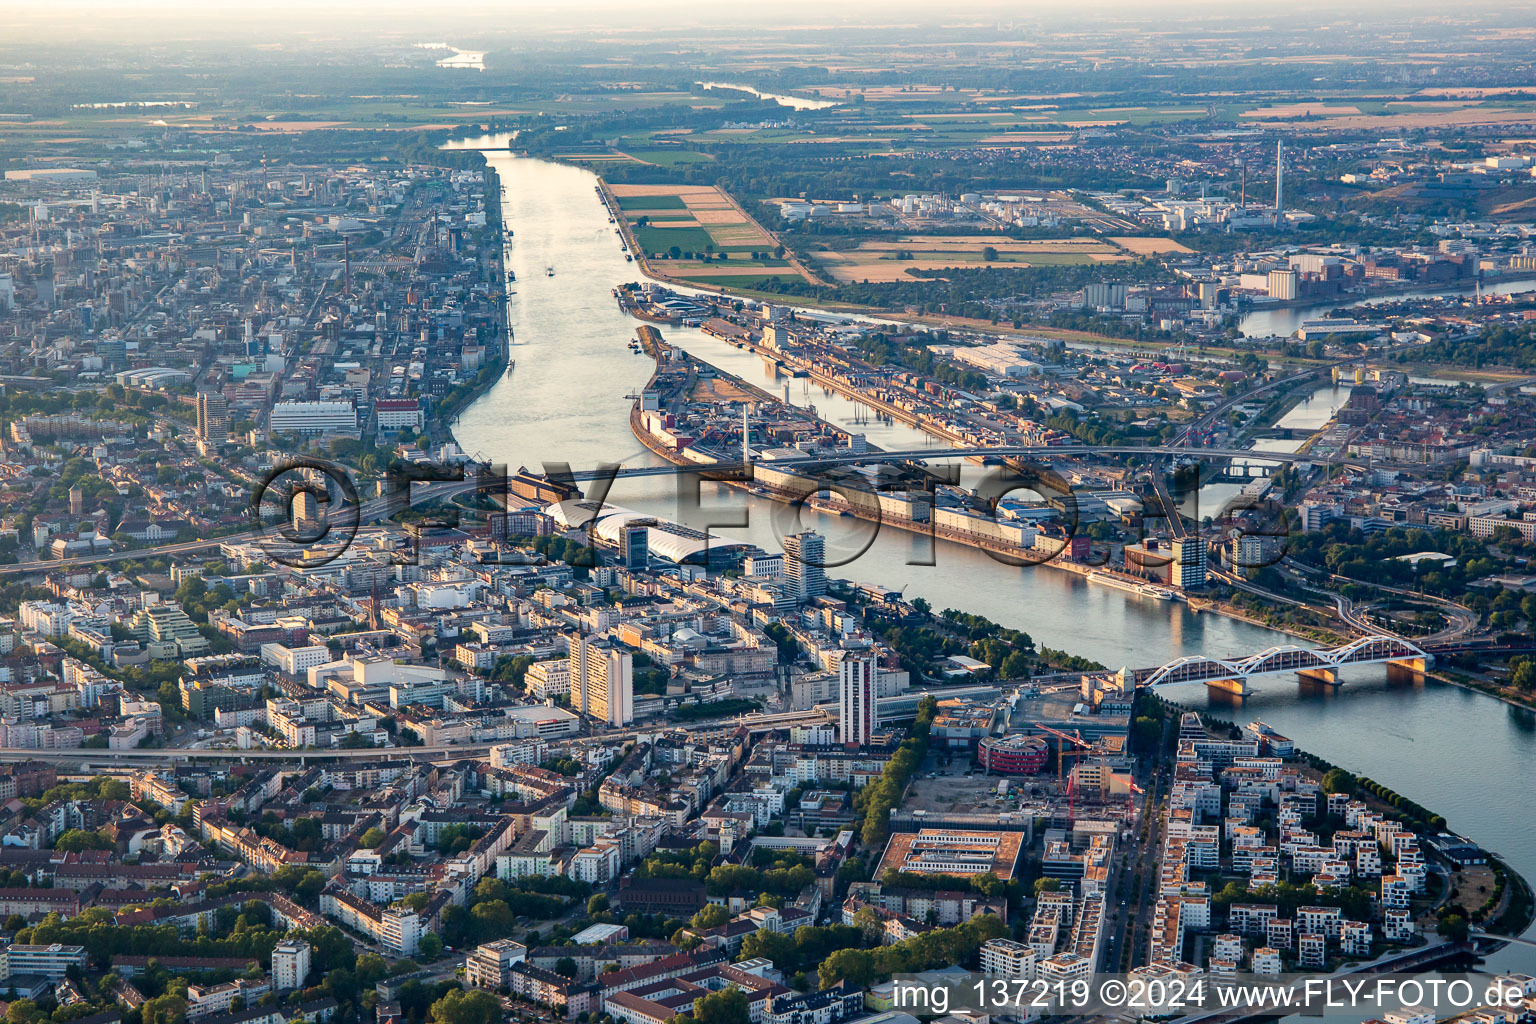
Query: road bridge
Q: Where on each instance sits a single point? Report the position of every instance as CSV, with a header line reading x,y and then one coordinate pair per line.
x,y
1485,936
1319,664
1011,451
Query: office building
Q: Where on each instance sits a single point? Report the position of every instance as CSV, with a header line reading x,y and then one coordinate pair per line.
x,y
311,419
290,964
1189,570
771,566
634,545
805,563
52,962
212,417
1013,754
943,851
306,514
395,414
602,681
167,624
858,713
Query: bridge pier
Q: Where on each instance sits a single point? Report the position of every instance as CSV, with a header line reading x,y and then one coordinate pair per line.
x,y
1409,670
1322,665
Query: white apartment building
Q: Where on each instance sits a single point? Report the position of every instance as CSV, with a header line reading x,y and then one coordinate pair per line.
x,y
546,679
1410,1015
1266,960
1065,967
397,929
1355,938
1227,947
598,864
770,566
602,681
1008,958
858,708
48,618
489,966
290,964
203,1000
805,563
1311,950
1396,892
1397,925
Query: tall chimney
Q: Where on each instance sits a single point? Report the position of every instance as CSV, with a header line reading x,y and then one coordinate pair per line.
x,y
1279,180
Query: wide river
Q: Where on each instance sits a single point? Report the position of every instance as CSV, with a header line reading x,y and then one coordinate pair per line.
x,y
1283,322
566,401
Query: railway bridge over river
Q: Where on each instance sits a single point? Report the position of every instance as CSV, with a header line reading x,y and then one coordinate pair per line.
x,y
1318,664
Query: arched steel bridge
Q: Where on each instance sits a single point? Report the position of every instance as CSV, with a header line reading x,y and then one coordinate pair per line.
x,y
1022,451
1314,663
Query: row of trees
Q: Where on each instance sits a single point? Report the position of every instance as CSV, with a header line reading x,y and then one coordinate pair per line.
x,y
877,799
301,883
1346,783
940,947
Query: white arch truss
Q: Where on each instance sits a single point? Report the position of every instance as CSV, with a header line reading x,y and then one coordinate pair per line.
x,y
1366,650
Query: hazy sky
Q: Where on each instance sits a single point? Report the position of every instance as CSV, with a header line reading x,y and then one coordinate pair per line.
x,y
60,21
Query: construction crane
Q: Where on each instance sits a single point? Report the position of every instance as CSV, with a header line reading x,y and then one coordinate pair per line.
x,y
1063,738
1062,753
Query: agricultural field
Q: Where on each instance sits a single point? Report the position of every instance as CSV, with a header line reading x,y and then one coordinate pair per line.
x,y
697,234
1148,246
665,157
889,259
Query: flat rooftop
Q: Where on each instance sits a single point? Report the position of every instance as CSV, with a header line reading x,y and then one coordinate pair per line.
x,y
936,851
